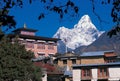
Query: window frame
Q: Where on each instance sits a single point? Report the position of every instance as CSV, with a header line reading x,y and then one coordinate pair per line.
x,y
64,61
29,44
86,73
41,46
73,61
103,72
51,46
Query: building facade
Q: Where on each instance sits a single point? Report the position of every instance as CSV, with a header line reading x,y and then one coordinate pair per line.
x,y
67,59
97,72
97,66
65,62
41,46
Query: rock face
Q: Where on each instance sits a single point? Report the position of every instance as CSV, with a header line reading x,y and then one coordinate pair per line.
x,y
82,34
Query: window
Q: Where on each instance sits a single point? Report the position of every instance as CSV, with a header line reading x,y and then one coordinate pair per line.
x,y
102,72
73,61
41,46
51,46
64,61
29,45
105,71
86,73
41,55
56,61
110,60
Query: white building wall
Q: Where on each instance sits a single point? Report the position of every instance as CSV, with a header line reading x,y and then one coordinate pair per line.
x,y
94,74
76,75
114,74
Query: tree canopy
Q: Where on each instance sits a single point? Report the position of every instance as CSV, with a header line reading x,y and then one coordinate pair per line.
x,y
68,7
16,64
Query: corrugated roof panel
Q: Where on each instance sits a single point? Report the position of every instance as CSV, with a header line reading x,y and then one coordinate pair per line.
x,y
100,53
89,65
95,53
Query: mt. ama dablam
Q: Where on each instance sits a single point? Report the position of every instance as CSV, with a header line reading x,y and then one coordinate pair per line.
x,y
82,34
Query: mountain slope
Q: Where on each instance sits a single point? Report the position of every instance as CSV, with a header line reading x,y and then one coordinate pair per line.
x,y
82,34
104,42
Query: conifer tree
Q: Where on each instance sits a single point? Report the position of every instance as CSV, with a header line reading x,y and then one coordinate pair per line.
x,y
16,64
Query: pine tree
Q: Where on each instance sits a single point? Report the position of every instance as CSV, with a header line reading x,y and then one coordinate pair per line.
x,y
16,64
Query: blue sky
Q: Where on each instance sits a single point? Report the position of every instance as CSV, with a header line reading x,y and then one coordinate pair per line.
x,y
50,24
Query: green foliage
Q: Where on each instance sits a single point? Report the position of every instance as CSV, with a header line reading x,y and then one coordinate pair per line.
x,y
114,31
66,8
15,63
115,14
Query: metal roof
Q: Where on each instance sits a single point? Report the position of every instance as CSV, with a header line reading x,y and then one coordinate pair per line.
x,y
34,37
97,65
95,53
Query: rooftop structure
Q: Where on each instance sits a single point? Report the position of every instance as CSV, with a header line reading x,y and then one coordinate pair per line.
x,y
88,65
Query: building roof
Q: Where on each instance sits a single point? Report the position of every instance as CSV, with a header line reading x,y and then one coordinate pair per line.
x,y
110,55
67,55
48,67
114,64
25,29
51,69
95,53
34,37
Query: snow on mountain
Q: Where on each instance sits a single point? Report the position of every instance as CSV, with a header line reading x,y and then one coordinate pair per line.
x,y
82,34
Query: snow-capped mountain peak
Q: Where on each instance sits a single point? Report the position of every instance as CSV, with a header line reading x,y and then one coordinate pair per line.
x,y
85,18
82,34
85,23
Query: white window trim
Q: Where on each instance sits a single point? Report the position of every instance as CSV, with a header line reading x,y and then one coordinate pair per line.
x,y
40,41
30,40
51,42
